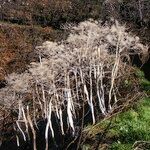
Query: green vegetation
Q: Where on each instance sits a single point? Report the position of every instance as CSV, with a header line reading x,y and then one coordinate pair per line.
x,y
126,127
131,126
120,146
144,83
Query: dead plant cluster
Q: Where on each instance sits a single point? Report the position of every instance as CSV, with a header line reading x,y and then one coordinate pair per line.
x,y
91,67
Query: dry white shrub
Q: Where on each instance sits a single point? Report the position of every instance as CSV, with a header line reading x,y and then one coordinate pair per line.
x,y
7,98
85,68
19,83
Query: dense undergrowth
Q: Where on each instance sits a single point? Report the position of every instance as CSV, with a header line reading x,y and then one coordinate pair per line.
x,y
18,43
54,13
132,126
27,24
124,130
22,22
91,68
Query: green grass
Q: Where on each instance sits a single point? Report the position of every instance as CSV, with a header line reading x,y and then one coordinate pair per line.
x,y
120,146
126,128
131,126
144,83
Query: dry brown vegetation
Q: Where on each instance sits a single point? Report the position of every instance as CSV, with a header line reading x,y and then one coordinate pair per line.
x,y
90,68
48,12
53,13
26,24
18,43
21,40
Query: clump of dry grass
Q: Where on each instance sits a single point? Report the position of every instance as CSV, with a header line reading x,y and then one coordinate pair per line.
x,y
89,67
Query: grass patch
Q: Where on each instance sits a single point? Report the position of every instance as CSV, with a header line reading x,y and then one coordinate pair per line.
x,y
131,126
144,83
120,146
127,127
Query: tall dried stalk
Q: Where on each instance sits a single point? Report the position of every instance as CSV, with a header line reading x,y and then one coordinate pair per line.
x,y
86,68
